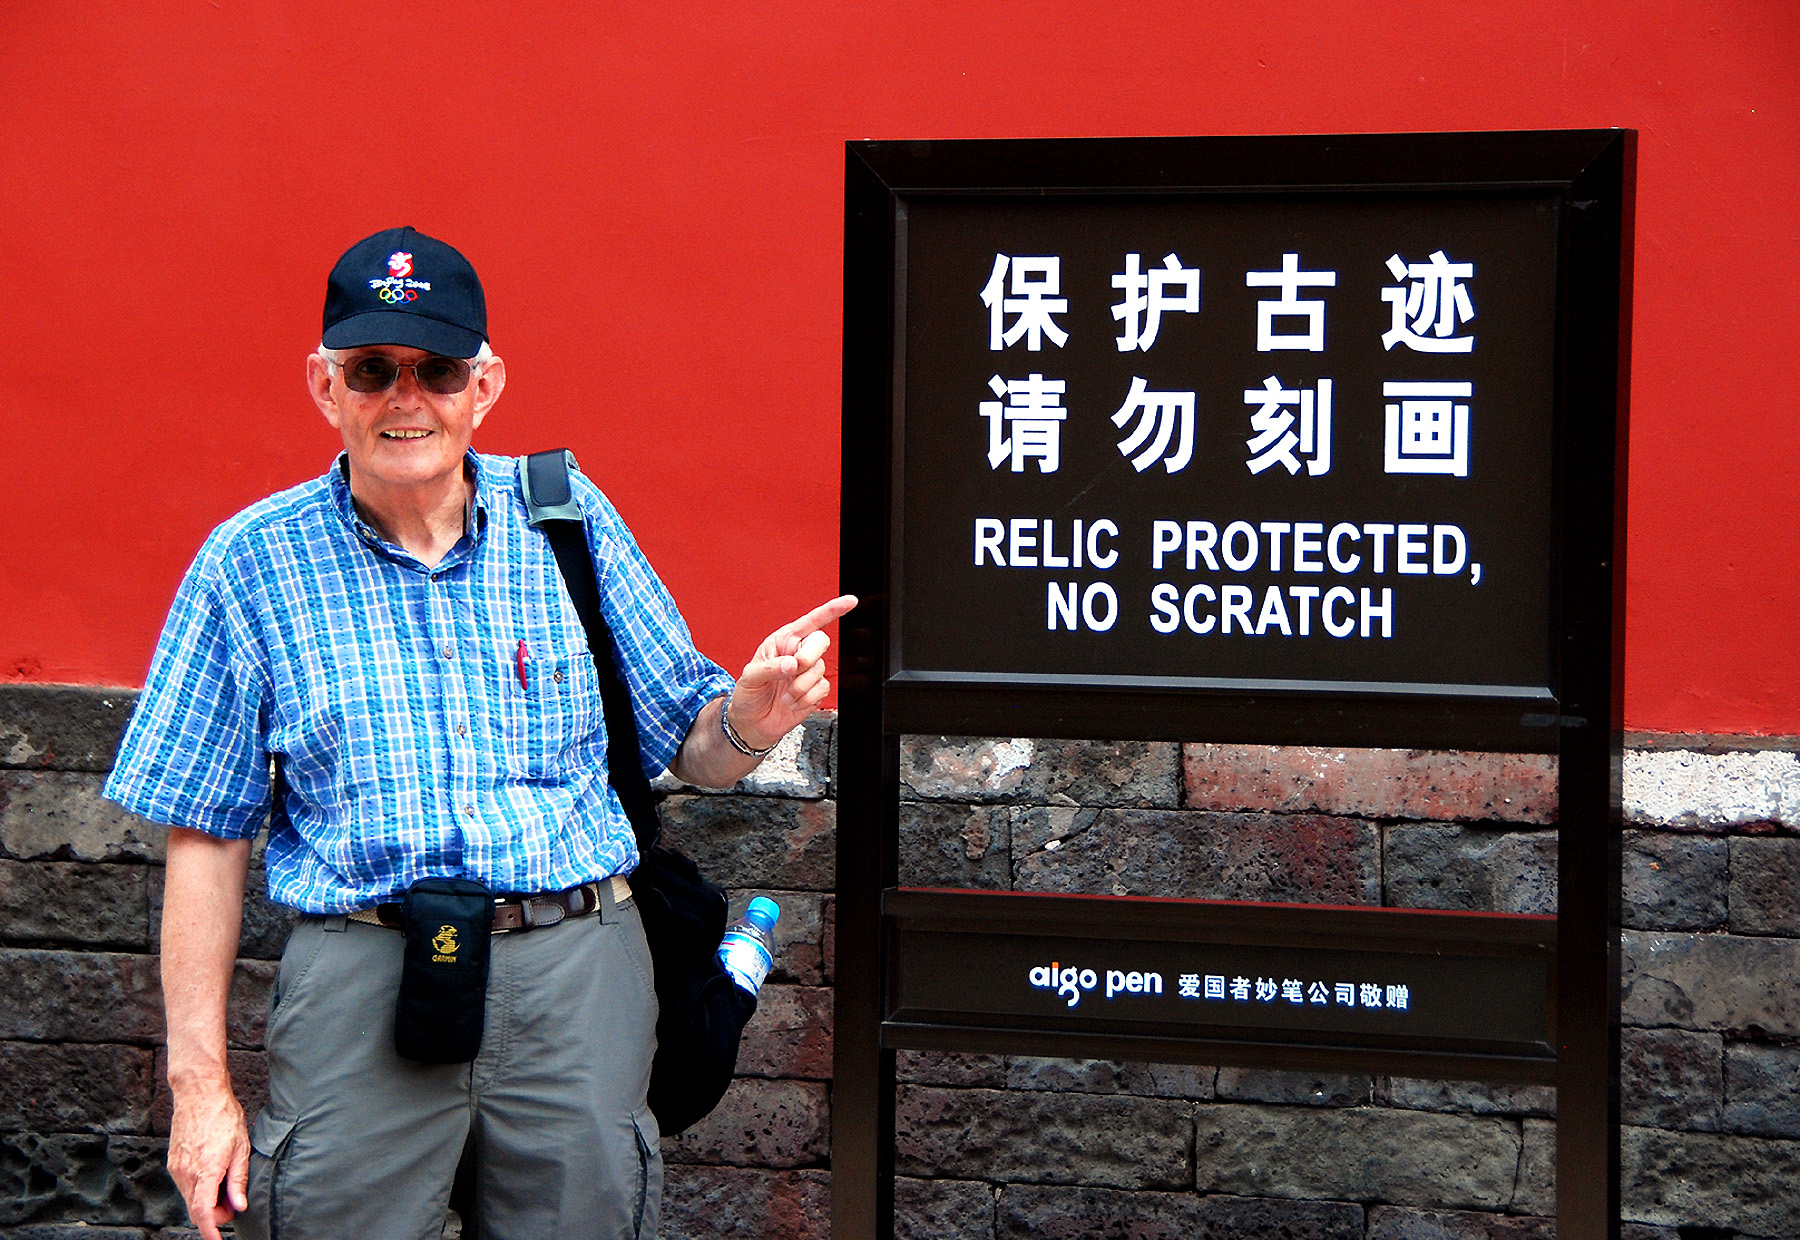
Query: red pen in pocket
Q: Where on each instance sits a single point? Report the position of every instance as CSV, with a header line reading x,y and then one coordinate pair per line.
x,y
519,662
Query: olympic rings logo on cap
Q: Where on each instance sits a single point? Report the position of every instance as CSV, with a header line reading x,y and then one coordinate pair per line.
x,y
394,296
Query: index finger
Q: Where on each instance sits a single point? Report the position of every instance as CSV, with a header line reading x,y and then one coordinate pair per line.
x,y
821,616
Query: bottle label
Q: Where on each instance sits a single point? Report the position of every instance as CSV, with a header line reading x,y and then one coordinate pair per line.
x,y
746,959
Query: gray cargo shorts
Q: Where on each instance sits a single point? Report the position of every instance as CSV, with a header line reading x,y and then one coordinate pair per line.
x,y
357,1142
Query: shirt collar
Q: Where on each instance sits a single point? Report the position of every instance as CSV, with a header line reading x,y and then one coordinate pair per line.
x,y
338,481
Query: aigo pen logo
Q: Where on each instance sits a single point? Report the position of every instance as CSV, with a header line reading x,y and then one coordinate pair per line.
x,y
1070,981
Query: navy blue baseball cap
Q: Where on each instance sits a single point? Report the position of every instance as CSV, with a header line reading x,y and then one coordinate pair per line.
x,y
402,287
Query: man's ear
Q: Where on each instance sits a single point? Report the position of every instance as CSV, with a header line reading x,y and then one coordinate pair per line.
x,y
318,384
488,386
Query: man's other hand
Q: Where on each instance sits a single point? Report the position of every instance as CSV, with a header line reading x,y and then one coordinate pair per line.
x,y
209,1156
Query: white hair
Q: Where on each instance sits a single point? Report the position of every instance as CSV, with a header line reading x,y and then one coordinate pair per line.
x,y
481,358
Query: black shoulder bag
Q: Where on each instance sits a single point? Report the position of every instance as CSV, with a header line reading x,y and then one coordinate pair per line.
x,y
702,1012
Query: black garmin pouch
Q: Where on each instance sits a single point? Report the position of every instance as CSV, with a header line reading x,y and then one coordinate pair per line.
x,y
449,925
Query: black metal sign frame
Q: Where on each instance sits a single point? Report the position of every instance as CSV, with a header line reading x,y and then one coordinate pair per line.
x,y
896,984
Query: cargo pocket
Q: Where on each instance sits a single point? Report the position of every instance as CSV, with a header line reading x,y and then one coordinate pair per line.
x,y
649,1199
268,1142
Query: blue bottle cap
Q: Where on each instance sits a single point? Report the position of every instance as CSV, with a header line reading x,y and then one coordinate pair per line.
x,y
763,913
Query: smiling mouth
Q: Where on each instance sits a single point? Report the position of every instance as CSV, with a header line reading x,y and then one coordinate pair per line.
x,y
404,434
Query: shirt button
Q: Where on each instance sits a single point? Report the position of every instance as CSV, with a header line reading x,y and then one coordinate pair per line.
x,y
468,811
556,676
449,652
462,729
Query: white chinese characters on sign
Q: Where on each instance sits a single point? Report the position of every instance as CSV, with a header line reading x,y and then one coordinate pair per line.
x,y
1147,296
1427,428
1036,283
1290,280
1434,299
1034,418
1276,440
1161,413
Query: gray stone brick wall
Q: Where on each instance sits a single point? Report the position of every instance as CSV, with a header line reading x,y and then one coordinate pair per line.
x,y
995,1147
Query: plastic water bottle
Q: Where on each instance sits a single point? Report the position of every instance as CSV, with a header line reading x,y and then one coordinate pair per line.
x,y
748,950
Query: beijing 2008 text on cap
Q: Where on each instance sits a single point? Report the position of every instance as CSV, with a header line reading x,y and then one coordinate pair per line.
x,y
402,287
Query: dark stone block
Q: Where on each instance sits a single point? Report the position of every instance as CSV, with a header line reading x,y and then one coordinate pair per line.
x,y
74,1231
1674,881
1035,827
62,996
1311,1089
790,1035
951,1068
1711,982
827,939
943,1209
965,768
50,1088
1169,1080
770,1124
1033,1212
1079,1076
1402,1157
249,1081
74,902
961,768
1110,1141
1678,1179
799,934
94,1179
1762,1091
1467,1097
1670,1078
1535,1192
735,1203
1212,856
945,844
62,727
1765,885
61,816
756,842
1079,1213
1468,869
1372,783
1239,1218
1397,1223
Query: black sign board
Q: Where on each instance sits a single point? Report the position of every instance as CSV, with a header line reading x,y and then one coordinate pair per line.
x,y
1214,981
1282,440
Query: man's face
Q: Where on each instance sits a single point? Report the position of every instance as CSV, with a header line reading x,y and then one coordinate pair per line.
x,y
404,438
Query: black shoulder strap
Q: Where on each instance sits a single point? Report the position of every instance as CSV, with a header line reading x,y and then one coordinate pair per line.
x,y
550,503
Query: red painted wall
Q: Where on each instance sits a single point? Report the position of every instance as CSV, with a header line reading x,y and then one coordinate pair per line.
x,y
653,195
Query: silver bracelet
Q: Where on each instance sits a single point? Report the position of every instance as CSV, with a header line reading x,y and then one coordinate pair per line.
x,y
731,734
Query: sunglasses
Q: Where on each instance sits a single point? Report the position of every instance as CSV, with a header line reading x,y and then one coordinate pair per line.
x,y
441,376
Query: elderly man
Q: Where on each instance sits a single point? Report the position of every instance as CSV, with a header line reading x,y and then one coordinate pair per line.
x,y
384,664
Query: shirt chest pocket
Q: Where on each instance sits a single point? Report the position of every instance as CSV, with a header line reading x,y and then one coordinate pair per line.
x,y
551,714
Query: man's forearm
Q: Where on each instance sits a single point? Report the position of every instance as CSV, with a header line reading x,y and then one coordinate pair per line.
x,y
203,902
706,759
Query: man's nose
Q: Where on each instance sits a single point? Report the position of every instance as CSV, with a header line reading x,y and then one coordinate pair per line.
x,y
406,385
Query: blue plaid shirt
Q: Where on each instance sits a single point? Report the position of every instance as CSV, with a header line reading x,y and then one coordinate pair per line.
x,y
389,696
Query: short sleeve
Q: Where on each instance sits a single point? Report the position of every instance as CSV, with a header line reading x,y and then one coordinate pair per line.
x,y
194,754
670,681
